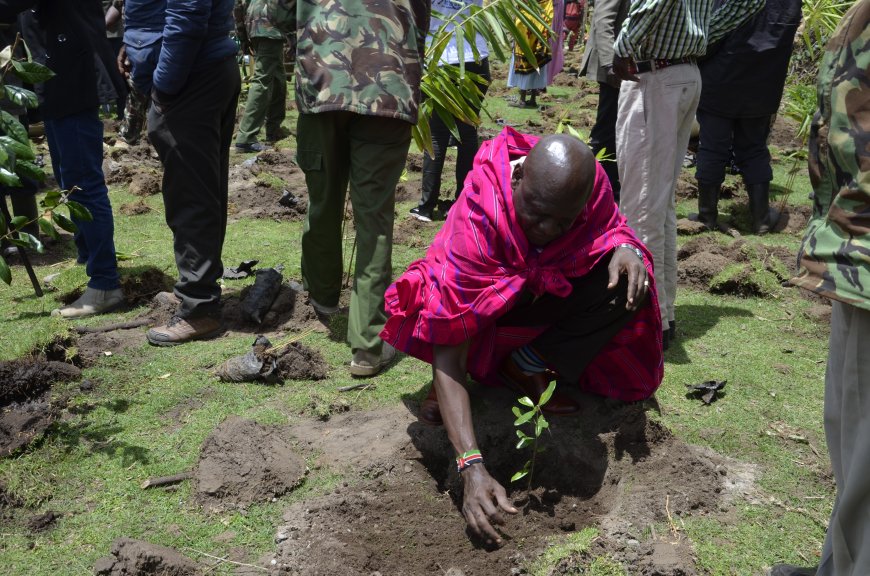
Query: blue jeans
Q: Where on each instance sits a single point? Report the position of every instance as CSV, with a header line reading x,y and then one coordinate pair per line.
x,y
75,143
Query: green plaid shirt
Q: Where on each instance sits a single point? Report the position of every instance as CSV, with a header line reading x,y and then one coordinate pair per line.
x,y
657,29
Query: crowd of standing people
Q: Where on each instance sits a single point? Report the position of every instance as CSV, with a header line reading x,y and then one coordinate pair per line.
x,y
550,266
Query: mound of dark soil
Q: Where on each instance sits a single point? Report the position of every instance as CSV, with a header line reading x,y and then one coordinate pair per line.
x,y
42,522
136,208
794,219
299,362
257,185
739,268
137,558
657,557
145,184
242,462
609,467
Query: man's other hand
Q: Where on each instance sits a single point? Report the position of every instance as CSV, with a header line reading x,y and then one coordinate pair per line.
x,y
623,68
123,63
625,261
483,502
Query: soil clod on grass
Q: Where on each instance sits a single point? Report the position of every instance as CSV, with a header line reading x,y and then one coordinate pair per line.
x,y
137,558
243,462
42,522
737,267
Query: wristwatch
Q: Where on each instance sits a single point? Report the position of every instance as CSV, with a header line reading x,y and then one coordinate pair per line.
x,y
634,249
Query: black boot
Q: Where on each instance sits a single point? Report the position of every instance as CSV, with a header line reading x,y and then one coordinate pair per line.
x,y
24,204
764,218
708,211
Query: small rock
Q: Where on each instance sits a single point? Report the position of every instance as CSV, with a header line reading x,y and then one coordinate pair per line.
x,y
408,468
86,386
632,542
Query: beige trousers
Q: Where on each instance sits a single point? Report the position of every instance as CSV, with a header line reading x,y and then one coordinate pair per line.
x,y
653,126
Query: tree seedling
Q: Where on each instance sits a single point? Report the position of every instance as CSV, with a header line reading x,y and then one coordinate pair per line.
x,y
533,415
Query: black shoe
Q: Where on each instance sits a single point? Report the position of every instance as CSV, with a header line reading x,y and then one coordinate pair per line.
x,y
666,339
422,213
789,570
672,330
251,147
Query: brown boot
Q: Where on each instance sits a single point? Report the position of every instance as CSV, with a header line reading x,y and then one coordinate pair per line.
x,y
533,386
430,412
180,330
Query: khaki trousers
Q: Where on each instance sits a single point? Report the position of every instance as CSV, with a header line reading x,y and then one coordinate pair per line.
x,y
653,126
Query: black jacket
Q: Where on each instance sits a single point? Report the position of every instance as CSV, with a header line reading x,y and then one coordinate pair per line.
x,y
743,77
74,32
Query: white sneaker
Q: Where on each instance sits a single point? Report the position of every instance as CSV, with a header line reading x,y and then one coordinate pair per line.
x,y
91,303
368,364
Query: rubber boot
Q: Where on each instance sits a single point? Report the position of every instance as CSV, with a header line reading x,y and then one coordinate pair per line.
x,y
25,205
764,218
708,200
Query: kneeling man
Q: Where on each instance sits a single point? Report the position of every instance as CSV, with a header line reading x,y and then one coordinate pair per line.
x,y
534,277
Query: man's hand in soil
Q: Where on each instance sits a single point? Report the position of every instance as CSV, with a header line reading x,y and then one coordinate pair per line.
x,y
623,68
626,261
480,489
483,502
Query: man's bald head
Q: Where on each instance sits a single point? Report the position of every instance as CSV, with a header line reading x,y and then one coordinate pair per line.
x,y
556,181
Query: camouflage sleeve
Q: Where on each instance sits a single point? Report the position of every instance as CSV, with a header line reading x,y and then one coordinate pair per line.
x,y
240,8
835,253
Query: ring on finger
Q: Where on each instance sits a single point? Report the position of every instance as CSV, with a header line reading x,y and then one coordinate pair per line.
x,y
646,282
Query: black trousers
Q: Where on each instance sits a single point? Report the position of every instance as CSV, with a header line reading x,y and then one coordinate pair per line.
x,y
192,136
603,134
466,148
747,137
580,325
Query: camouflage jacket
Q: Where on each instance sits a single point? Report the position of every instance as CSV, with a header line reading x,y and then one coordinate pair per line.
x,y
264,18
362,56
835,253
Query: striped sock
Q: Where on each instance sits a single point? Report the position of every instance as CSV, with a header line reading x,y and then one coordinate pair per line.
x,y
528,361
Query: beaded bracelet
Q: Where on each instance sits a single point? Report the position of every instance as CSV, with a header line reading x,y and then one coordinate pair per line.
x,y
466,459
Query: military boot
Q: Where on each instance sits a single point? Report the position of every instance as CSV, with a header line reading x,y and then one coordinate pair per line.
x,y
764,218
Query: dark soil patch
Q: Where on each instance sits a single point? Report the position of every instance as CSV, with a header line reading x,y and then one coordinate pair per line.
x,y
794,219
140,285
412,233
42,522
145,184
137,558
663,556
257,184
609,467
242,462
136,208
783,134
299,362
737,268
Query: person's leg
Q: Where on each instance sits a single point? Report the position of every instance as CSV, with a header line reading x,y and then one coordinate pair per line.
x,y
714,147
324,155
433,166
847,429
266,60
78,141
469,143
753,158
277,109
652,132
379,147
191,137
603,133
54,154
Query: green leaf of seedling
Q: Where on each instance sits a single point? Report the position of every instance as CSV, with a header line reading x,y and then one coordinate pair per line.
x,y
30,170
526,401
78,211
51,199
11,126
20,96
517,476
521,434
31,72
538,427
523,419
63,222
5,272
48,229
22,151
517,412
8,178
524,442
19,242
32,242
548,393
18,222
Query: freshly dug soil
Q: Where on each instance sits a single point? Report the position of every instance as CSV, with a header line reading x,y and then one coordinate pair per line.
x,y
736,267
140,285
42,522
299,362
242,462
253,197
145,184
662,556
137,558
136,208
608,467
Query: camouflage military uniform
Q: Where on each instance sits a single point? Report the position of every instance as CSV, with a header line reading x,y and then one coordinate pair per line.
x,y
835,262
261,26
358,70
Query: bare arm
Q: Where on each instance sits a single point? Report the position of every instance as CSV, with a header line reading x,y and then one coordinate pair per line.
x,y
483,498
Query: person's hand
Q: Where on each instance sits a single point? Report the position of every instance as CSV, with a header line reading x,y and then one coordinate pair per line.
x,y
123,63
623,68
625,261
483,502
611,77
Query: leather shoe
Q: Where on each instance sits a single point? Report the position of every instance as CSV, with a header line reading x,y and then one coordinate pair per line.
x,y
533,386
789,570
180,330
430,412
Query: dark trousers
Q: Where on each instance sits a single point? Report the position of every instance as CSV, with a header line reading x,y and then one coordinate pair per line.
x,y
75,143
368,152
192,136
579,325
466,148
603,134
747,137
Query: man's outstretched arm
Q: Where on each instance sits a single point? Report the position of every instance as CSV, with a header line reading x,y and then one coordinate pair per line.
x,y
483,498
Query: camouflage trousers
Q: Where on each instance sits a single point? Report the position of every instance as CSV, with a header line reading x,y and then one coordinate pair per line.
x,y
134,115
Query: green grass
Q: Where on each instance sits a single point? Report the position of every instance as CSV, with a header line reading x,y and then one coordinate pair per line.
x,y
138,424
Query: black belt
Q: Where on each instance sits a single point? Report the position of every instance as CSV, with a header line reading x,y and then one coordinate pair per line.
x,y
659,63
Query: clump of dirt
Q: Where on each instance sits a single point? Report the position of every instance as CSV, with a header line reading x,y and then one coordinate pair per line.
x,y
136,208
609,467
794,219
145,184
299,362
407,191
116,173
656,557
412,233
242,463
140,285
24,380
257,185
739,267
783,133
137,558
271,364
289,312
42,522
